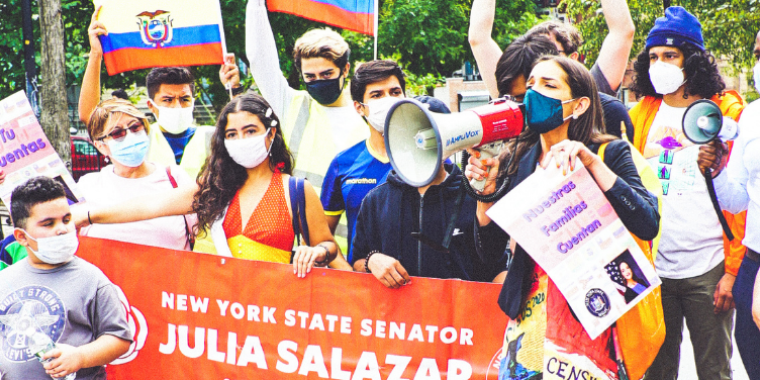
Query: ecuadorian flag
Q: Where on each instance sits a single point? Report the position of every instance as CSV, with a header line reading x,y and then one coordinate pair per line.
x,y
356,15
161,33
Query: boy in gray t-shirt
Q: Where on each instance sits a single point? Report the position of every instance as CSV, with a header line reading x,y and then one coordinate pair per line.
x,y
55,298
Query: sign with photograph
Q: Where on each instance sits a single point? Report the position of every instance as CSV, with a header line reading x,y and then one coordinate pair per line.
x,y
566,224
25,151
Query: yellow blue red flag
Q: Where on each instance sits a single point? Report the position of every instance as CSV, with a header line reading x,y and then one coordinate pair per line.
x,y
161,33
356,15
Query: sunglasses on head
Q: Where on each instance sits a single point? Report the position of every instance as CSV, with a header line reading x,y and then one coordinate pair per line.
x,y
119,134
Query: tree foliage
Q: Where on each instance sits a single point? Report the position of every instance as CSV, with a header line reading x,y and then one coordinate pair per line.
x,y
729,27
428,37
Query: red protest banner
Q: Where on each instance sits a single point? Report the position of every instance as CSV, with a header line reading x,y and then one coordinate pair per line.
x,y
210,317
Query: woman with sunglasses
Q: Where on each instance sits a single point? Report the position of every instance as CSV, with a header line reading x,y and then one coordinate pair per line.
x,y
242,195
120,132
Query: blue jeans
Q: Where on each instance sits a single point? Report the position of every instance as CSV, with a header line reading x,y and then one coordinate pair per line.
x,y
747,334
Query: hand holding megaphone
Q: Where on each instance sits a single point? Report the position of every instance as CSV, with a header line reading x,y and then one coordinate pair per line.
x,y
703,123
713,157
482,170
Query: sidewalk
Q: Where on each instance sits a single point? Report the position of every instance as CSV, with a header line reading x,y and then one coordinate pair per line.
x,y
688,369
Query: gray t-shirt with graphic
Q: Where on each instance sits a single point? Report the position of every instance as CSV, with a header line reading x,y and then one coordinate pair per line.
x,y
73,304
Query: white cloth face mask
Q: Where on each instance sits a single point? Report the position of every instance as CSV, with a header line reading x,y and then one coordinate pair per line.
x,y
378,111
249,152
57,249
666,78
174,120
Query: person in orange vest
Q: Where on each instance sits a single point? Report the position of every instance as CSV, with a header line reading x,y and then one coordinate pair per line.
x,y
696,263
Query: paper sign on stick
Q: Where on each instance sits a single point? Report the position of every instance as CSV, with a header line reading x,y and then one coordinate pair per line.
x,y
26,151
570,229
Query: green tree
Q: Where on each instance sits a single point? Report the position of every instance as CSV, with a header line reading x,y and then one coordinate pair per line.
x,y
729,27
430,36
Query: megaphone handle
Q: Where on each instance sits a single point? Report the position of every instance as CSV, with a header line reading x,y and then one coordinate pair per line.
x,y
480,184
486,151
716,205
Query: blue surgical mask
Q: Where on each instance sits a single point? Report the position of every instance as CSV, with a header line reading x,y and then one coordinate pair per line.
x,y
131,150
325,91
544,113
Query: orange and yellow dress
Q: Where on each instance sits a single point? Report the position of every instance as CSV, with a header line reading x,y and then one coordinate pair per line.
x,y
268,235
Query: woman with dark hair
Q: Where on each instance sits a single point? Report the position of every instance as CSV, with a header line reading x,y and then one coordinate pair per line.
x,y
565,122
696,262
633,284
241,197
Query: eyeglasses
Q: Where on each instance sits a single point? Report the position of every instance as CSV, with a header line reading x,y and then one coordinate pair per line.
x,y
119,134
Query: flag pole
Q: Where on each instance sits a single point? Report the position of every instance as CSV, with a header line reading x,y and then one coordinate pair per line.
x,y
377,22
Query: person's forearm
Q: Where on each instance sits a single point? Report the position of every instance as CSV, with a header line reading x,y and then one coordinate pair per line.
x,y
102,351
483,219
732,196
168,203
359,266
616,48
261,49
89,96
604,177
486,51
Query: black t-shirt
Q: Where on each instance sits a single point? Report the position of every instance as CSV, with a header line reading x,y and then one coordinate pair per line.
x,y
614,110
614,113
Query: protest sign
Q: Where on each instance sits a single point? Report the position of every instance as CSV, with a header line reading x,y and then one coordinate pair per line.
x,y
161,33
568,227
26,151
211,317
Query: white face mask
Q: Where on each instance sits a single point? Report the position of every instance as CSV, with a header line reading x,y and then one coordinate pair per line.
x,y
756,76
378,111
57,249
249,152
666,78
174,120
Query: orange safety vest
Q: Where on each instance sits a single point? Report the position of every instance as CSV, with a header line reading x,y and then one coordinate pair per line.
x,y
732,105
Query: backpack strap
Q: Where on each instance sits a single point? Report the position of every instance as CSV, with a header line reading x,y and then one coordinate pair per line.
x,y
188,234
600,153
302,210
171,177
293,190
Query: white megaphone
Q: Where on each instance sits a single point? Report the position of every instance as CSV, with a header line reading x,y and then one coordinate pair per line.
x,y
417,140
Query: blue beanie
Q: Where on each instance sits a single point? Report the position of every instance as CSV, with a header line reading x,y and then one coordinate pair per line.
x,y
675,29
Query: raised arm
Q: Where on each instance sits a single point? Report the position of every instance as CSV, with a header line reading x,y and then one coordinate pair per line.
x,y
172,202
484,48
616,48
89,97
261,50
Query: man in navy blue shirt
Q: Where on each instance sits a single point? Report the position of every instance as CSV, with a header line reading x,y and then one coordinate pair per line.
x,y
354,172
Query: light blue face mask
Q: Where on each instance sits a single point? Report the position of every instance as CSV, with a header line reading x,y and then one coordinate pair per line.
x,y
544,113
130,151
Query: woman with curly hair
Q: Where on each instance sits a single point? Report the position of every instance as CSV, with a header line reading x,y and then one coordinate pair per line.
x,y
241,197
697,266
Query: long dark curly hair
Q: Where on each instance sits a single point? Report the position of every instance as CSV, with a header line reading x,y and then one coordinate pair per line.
x,y
221,177
699,68
588,128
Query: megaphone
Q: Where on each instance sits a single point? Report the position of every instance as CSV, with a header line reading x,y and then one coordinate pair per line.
x,y
702,123
417,140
